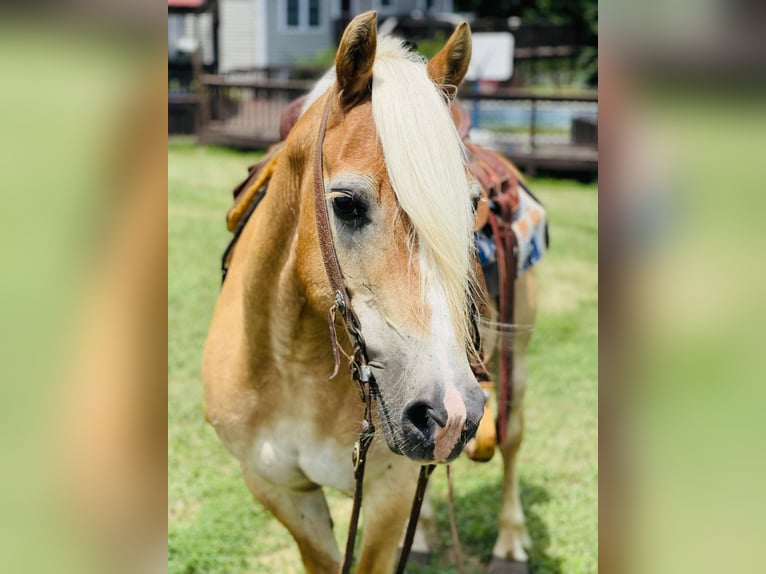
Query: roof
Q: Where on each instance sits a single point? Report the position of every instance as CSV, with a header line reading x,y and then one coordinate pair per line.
x,y
185,3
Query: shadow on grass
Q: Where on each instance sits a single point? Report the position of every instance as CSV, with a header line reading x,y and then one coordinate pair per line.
x,y
476,513
540,562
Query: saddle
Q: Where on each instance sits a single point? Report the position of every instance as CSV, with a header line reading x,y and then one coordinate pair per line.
x,y
507,224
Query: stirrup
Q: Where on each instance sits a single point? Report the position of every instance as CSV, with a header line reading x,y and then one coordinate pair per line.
x,y
481,448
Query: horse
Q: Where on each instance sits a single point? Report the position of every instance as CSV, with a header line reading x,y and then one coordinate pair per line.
x,y
400,203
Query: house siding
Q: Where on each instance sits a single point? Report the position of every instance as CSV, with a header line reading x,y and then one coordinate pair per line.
x,y
400,6
291,46
239,34
253,33
199,26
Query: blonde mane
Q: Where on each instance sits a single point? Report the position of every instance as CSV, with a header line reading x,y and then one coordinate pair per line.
x,y
427,168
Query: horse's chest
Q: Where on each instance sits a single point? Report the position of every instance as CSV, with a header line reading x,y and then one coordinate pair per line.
x,y
292,456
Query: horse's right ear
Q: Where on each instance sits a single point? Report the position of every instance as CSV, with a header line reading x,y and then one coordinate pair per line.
x,y
356,54
450,65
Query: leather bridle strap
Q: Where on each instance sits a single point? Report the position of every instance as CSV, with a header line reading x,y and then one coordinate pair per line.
x,y
326,244
360,369
360,459
505,241
417,502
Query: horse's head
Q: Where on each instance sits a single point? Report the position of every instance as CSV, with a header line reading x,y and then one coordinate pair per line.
x,y
399,200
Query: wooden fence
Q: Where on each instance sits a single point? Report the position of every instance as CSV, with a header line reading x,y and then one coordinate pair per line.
x,y
245,114
242,110
573,149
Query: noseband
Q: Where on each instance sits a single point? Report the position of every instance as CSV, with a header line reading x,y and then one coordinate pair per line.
x,y
358,361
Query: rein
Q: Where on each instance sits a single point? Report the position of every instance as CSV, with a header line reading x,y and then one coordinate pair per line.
x,y
359,363
507,252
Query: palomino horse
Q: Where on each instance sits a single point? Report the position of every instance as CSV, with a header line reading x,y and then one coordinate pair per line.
x,y
399,198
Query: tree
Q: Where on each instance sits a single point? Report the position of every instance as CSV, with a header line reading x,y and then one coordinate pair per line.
x,y
580,14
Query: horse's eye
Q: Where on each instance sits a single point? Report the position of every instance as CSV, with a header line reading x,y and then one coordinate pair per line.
x,y
349,209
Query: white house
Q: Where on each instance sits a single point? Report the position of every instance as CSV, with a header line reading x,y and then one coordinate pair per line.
x,y
257,33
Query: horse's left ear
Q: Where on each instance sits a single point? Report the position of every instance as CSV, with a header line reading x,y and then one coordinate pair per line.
x,y
449,66
356,54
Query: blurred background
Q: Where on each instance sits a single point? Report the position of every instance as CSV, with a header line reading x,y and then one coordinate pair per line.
x,y
85,295
234,65
531,92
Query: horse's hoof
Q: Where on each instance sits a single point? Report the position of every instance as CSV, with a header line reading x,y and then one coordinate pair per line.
x,y
502,566
419,558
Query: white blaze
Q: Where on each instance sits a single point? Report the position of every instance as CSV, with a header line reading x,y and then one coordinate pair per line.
x,y
444,344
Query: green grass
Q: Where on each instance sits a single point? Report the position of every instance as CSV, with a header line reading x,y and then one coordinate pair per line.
x,y
214,526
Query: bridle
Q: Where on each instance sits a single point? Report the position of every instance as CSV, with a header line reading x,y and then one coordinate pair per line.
x,y
358,360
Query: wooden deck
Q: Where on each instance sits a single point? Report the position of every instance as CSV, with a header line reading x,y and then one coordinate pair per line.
x,y
253,125
246,115
556,158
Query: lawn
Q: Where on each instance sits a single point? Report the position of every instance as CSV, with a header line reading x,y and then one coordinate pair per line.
x,y
214,526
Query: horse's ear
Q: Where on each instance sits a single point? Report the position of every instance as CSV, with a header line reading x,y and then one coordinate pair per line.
x,y
449,66
356,54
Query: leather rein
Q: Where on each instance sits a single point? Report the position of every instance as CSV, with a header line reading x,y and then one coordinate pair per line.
x,y
358,361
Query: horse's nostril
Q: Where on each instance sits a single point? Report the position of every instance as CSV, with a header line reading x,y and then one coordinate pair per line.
x,y
422,415
417,415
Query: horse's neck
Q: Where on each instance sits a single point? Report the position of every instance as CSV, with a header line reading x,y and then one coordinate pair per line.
x,y
279,331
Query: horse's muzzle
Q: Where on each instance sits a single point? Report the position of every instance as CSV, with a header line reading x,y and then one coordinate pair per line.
x,y
436,428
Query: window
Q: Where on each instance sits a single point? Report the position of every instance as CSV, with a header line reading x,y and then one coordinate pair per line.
x,y
301,14
313,13
293,13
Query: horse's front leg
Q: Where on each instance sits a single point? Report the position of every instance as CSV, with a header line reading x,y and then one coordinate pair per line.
x,y
388,495
306,515
512,534
509,555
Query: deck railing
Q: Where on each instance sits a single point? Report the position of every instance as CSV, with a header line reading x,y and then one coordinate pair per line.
x,y
243,110
245,113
